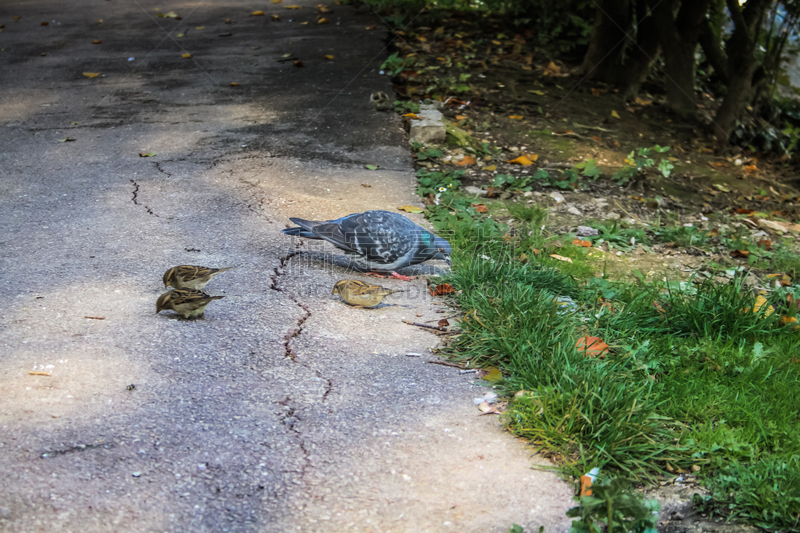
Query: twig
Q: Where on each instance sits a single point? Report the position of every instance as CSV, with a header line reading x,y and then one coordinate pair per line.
x,y
419,325
96,317
444,363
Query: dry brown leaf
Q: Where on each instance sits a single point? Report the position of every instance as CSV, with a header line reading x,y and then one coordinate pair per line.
x,y
37,373
328,57
480,208
234,84
258,13
323,20
591,346
561,258
297,63
579,242
468,160
97,41
521,160
441,290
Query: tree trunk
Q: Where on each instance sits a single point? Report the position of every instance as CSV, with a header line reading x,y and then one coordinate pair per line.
x,y
619,53
742,64
607,44
679,34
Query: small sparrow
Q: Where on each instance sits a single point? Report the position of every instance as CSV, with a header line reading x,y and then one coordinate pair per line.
x,y
361,294
188,303
190,277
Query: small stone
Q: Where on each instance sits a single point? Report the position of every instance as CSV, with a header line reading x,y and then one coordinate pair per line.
x,y
527,194
474,190
136,474
574,210
586,231
557,196
612,216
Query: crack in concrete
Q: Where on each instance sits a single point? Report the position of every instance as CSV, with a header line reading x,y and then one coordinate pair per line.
x,y
294,333
158,167
279,270
136,199
289,420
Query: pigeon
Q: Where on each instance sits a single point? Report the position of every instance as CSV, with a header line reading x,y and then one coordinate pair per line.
x,y
360,294
188,303
376,240
190,276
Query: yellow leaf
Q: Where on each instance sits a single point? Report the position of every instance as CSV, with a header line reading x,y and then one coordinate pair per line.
x,y
186,56
275,17
322,21
639,101
304,23
91,74
498,43
234,84
277,1
516,117
412,115
493,374
614,114
258,13
293,6
524,160
422,39
561,258
460,117
761,302
200,28
490,167
468,160
534,91
410,209
328,57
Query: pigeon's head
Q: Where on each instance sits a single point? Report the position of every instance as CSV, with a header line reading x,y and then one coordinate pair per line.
x,y
441,249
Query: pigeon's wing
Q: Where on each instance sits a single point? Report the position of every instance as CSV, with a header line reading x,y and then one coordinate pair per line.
x,y
377,236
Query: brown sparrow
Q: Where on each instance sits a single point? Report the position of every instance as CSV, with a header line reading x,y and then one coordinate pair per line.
x,y
188,303
190,277
361,294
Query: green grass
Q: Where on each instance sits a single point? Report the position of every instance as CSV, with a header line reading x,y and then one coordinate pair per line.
x,y
696,379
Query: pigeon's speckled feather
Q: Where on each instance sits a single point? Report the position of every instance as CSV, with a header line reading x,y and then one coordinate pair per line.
x,y
376,240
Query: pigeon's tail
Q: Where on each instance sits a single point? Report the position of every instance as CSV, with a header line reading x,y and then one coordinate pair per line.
x,y
300,232
305,229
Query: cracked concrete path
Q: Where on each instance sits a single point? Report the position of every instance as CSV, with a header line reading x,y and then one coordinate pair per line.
x,y
283,410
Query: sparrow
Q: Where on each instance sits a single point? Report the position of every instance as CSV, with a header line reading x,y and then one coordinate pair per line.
x,y
188,303
376,240
190,277
360,294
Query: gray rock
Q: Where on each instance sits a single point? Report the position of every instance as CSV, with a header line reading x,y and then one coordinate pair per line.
x,y
470,189
574,210
557,196
429,129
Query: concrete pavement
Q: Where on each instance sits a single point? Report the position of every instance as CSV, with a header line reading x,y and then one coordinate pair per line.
x,y
282,410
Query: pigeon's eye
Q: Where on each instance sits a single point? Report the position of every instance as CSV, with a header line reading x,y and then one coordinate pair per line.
x,y
441,250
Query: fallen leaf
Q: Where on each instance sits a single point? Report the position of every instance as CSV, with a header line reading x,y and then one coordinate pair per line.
x,y
297,63
579,242
371,167
66,140
751,169
234,84
186,56
490,167
35,373
721,187
200,28
171,15
328,57
718,164
761,303
534,91
468,160
147,154
561,258
441,290
413,116
480,208
258,13
516,117
591,346
366,185
91,74
740,253
322,21
302,23
410,209
641,102
523,258
293,6
276,18
443,323
492,374
614,114
522,160
786,320
771,224
371,27
460,117
487,409
97,41
765,244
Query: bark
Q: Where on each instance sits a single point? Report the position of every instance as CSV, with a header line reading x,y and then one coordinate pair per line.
x,y
714,53
742,64
612,21
620,53
679,34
